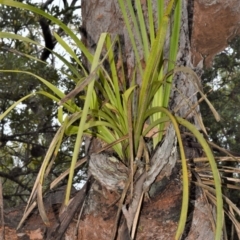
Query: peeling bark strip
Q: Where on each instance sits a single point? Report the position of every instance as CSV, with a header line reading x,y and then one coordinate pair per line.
x,y
57,231
163,160
132,209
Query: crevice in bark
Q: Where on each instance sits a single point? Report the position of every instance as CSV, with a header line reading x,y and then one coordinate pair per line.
x,y
190,9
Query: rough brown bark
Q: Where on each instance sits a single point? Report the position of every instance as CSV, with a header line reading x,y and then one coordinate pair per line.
x,y
215,23
210,24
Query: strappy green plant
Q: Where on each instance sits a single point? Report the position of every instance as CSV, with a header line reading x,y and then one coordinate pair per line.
x,y
107,112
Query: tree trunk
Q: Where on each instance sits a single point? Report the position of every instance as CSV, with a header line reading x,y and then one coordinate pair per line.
x,y
207,26
201,38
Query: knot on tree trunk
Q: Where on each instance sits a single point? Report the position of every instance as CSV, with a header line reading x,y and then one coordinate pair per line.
x,y
108,171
